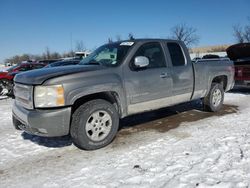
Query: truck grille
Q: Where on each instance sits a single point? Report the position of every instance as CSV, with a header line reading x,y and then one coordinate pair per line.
x,y
23,95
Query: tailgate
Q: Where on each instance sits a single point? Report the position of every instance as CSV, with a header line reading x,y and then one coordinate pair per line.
x,y
242,72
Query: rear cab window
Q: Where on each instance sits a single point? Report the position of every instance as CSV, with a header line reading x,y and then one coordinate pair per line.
x,y
176,54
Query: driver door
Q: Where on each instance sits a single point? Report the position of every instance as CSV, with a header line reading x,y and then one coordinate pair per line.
x,y
148,88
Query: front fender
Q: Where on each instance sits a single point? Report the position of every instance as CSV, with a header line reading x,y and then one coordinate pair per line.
x,y
81,85
75,94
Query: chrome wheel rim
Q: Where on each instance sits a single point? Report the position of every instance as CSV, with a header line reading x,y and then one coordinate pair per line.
x,y
217,97
3,89
98,125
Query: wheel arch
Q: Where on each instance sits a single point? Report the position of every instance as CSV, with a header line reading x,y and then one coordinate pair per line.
x,y
222,79
110,96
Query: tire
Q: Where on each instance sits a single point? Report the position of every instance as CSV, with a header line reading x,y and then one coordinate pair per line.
x,y
213,102
6,87
16,123
1,88
94,125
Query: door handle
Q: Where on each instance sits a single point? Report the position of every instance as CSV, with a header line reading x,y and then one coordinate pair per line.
x,y
164,75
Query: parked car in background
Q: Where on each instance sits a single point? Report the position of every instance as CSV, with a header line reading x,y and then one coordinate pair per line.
x,y
82,55
240,54
63,63
7,75
210,56
115,81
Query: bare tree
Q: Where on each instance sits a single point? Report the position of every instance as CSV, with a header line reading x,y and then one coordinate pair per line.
x,y
17,59
80,46
55,55
47,53
238,33
131,36
68,54
185,33
242,34
247,33
25,57
118,38
110,40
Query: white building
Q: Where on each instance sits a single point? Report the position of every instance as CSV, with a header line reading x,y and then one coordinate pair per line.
x,y
82,54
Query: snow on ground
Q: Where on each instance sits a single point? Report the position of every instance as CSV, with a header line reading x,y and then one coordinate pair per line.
x,y
174,147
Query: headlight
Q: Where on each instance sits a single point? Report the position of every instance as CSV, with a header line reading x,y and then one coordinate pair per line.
x,y
49,96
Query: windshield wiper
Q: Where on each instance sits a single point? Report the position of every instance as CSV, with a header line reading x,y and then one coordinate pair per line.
x,y
93,63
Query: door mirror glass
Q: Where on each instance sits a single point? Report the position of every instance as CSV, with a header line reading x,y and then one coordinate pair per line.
x,y
141,62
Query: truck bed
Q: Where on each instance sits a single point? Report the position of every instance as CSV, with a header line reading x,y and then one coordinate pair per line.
x,y
207,69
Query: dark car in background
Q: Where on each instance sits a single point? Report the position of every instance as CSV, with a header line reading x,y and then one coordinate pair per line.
x,y
63,63
7,76
48,61
240,55
210,56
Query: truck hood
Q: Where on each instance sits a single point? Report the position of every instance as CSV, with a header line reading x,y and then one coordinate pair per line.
x,y
239,51
37,77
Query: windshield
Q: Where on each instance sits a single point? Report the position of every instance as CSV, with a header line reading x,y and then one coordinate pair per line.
x,y
108,55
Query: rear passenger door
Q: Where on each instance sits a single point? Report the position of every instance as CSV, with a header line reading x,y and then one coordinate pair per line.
x,y
181,73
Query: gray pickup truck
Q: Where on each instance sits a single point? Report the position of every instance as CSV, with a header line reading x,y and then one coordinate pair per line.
x,y
116,80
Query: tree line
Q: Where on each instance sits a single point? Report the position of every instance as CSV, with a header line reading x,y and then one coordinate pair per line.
x,y
47,54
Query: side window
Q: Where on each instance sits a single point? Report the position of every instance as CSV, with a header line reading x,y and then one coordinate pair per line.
x,y
153,51
176,54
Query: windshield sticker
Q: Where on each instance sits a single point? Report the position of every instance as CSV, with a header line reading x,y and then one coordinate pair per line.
x,y
126,43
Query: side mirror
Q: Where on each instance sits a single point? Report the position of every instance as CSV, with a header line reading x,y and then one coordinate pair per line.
x,y
141,62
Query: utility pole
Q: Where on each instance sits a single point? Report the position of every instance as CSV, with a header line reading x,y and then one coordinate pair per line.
x,y
71,42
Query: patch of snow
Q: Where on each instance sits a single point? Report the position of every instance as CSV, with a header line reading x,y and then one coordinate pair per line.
x,y
186,149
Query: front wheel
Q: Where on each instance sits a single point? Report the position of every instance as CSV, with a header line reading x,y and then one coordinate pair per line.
x,y
94,124
214,100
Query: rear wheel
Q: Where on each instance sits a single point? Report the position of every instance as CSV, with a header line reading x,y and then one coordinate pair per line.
x,y
94,124
214,100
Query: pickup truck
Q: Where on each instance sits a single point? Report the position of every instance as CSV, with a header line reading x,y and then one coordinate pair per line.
x,y
240,54
119,79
